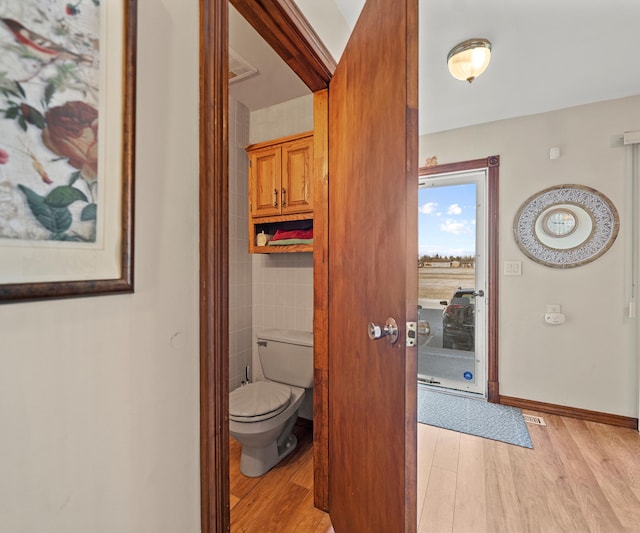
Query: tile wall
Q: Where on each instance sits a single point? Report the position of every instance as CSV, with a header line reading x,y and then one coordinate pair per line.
x,y
282,283
283,291
289,118
240,268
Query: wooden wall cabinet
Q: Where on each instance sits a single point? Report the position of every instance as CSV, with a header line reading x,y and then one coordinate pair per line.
x,y
280,189
280,174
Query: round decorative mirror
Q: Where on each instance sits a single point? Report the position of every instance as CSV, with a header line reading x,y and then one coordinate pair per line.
x,y
566,226
559,222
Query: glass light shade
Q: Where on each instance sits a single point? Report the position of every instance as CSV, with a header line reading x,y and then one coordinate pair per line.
x,y
469,59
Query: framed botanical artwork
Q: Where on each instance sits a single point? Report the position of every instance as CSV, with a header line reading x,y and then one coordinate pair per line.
x,y
67,138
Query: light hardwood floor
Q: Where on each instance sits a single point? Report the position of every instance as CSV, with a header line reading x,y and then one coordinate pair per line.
x,y
282,499
580,477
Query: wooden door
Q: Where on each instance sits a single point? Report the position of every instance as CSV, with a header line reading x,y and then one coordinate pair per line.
x,y
373,173
264,181
297,175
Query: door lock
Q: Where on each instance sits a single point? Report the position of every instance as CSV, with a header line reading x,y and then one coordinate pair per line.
x,y
412,334
389,330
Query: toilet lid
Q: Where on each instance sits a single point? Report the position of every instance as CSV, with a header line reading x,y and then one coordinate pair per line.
x,y
258,401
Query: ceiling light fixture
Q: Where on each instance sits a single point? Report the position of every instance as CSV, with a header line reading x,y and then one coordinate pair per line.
x,y
469,59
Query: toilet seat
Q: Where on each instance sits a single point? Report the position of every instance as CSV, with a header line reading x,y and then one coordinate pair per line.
x,y
258,401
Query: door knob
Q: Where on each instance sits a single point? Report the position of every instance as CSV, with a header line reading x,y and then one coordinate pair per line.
x,y
389,330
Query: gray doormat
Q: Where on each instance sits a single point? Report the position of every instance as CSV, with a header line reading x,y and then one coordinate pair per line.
x,y
472,416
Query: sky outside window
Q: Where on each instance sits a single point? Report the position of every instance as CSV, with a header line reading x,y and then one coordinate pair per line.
x,y
447,220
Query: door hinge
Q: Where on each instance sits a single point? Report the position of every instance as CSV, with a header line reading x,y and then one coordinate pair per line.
x,y
412,333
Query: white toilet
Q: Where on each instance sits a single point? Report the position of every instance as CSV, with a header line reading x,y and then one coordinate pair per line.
x,y
262,414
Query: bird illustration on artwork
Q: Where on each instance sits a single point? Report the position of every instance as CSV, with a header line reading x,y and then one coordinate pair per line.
x,y
44,49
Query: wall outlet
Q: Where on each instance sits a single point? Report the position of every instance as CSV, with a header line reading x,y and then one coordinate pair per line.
x,y
553,308
554,318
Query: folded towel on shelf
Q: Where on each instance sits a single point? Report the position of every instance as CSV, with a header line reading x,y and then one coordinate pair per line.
x,y
286,242
292,234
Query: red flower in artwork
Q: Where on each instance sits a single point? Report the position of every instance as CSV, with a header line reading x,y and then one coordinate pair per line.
x,y
72,132
72,10
4,157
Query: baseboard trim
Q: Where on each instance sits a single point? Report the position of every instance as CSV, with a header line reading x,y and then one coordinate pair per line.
x,y
571,412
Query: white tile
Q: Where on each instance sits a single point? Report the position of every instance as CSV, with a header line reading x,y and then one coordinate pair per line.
x,y
256,316
232,343
290,314
279,296
245,318
233,319
269,294
257,295
289,292
269,320
301,298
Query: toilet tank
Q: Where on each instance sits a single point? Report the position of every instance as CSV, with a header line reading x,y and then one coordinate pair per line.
x,y
286,356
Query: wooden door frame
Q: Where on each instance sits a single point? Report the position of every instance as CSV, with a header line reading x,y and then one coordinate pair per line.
x,y
492,165
285,29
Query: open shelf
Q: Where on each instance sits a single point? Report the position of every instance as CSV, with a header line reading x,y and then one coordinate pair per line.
x,y
284,222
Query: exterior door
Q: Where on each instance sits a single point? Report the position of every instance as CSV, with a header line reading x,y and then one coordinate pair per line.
x,y
452,285
373,164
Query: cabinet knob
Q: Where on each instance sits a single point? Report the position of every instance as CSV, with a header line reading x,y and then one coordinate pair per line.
x,y
275,197
284,201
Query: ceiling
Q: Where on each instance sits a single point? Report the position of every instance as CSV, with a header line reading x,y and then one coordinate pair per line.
x,y
546,55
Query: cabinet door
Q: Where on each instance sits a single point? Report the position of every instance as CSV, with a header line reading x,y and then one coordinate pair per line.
x,y
265,166
297,174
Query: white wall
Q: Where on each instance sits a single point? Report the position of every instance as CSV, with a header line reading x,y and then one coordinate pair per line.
x,y
99,396
282,283
590,362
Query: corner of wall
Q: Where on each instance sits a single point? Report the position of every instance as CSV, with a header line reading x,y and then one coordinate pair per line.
x,y
240,271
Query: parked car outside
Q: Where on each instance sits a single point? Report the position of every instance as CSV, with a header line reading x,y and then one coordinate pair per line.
x,y
459,320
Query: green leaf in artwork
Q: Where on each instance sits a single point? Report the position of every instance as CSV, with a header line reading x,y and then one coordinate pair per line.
x,y
10,87
22,123
33,116
90,212
74,177
64,196
32,197
62,219
65,237
11,113
56,220
49,91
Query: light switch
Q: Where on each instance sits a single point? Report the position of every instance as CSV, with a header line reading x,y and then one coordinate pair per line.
x,y
513,268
